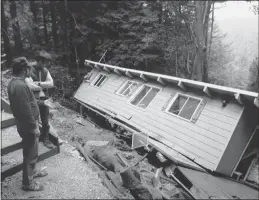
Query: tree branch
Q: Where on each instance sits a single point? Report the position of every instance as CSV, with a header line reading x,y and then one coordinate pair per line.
x,y
73,18
6,34
205,12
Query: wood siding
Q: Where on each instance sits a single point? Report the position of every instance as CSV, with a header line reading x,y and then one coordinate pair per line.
x,y
206,139
243,132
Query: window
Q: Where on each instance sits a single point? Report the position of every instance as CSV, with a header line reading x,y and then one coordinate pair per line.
x,y
99,80
144,96
127,88
183,106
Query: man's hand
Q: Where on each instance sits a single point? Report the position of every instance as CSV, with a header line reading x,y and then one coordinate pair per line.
x,y
36,131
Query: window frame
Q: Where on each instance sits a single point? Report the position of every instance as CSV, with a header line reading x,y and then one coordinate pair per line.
x,y
121,87
138,91
96,78
174,99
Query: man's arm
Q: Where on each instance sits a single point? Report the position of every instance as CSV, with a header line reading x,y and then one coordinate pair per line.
x,y
23,107
33,86
49,83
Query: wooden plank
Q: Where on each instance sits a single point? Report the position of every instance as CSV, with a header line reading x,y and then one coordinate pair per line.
x,y
256,102
232,107
117,72
160,80
129,74
97,66
182,86
8,122
5,105
107,69
10,137
215,122
11,148
220,117
143,77
213,129
44,153
207,91
238,98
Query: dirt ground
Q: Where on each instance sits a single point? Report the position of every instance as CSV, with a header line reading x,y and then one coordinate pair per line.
x,y
69,175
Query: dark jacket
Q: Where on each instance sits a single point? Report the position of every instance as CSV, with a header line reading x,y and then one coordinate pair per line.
x,y
23,105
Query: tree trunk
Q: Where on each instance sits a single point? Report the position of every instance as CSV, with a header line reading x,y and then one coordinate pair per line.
x,y
16,28
7,49
201,31
211,34
63,22
72,56
44,16
54,23
34,10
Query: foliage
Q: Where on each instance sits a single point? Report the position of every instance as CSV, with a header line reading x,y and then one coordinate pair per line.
x,y
168,37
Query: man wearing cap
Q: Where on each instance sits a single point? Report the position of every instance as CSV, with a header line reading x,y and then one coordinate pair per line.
x,y
42,78
26,112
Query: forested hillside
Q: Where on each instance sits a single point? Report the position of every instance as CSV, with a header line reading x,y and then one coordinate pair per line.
x,y
238,60
179,38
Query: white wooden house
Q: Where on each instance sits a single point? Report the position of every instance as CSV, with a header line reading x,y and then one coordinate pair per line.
x,y
211,124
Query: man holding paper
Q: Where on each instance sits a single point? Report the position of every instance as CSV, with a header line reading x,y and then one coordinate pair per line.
x,y
39,82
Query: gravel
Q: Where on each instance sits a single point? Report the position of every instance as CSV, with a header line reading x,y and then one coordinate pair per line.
x,y
69,177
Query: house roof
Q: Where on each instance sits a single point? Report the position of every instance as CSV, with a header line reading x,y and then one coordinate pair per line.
x,y
213,187
207,88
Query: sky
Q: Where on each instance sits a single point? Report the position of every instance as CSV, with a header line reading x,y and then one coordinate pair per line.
x,y
235,10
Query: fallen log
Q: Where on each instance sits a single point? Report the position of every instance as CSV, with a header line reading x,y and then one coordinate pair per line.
x,y
116,194
109,185
131,180
89,158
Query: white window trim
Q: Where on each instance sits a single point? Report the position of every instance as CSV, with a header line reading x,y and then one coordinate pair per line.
x,y
118,92
137,92
96,78
173,100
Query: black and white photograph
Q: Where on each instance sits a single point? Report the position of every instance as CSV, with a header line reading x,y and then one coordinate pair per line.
x,y
122,99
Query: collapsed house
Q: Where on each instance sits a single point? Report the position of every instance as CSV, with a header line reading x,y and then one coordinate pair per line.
x,y
207,127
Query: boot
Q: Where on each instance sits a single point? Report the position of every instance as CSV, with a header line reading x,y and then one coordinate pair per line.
x,y
33,186
48,144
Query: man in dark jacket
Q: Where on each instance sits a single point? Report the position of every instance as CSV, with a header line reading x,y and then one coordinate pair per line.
x,y
26,112
42,78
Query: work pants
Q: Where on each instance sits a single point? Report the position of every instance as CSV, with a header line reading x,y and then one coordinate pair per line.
x,y
44,116
30,147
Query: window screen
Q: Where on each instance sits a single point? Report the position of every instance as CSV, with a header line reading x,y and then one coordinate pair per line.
x,y
100,79
184,106
128,88
145,96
